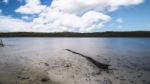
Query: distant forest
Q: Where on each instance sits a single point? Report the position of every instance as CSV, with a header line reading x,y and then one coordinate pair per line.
x,y
75,34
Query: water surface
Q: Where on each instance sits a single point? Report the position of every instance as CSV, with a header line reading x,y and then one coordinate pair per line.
x,y
29,60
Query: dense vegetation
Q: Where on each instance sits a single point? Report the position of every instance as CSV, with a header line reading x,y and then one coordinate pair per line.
x,y
73,34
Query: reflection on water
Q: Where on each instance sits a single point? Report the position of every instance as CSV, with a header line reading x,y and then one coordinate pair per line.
x,y
44,60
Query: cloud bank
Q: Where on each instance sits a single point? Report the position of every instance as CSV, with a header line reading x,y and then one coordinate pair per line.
x,y
67,15
8,24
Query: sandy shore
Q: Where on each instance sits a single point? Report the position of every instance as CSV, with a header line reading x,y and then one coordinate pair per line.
x,y
71,69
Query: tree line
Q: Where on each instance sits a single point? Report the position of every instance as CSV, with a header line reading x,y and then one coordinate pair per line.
x,y
76,34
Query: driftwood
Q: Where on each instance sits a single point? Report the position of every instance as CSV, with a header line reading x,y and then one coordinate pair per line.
x,y
1,43
98,64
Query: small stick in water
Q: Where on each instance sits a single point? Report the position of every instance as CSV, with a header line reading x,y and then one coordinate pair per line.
x,y
1,43
98,64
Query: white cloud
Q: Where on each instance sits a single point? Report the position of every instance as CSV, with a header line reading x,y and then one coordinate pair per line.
x,y
25,17
10,24
66,15
5,1
119,20
54,20
1,11
114,5
31,7
80,6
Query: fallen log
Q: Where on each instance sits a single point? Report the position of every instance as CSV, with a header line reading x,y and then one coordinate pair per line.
x,y
98,64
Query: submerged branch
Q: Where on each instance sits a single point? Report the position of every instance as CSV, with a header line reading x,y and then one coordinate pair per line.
x,y
98,64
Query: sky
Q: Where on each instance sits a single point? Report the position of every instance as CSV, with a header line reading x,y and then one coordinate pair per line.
x,y
74,15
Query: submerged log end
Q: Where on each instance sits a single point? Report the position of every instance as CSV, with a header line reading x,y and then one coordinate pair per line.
x,y
98,64
105,67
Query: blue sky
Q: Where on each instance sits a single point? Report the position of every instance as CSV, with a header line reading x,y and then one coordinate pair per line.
x,y
39,16
135,17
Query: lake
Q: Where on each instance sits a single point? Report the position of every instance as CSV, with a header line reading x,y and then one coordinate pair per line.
x,y
45,61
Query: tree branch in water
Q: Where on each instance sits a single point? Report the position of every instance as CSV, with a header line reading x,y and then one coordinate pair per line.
x,y
98,64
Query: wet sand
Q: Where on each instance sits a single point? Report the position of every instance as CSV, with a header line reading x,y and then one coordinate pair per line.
x,y
52,64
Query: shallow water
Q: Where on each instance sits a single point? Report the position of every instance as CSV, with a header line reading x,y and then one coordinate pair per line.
x,y
45,61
